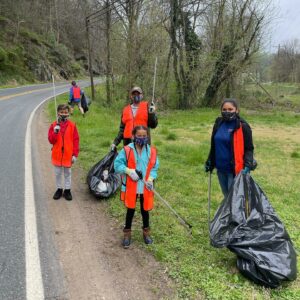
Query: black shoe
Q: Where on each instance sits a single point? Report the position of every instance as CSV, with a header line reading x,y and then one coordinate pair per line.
x,y
67,194
58,194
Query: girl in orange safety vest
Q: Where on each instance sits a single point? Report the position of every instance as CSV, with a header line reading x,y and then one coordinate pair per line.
x,y
64,137
231,146
139,163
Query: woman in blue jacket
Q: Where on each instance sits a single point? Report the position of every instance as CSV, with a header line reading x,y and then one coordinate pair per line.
x,y
231,146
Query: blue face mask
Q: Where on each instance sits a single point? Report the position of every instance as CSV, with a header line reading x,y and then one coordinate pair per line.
x,y
136,99
140,141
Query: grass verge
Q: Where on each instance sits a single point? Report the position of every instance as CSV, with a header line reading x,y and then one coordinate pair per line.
x,y
182,139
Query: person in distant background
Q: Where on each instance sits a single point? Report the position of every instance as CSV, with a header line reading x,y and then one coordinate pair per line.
x,y
232,147
75,97
138,112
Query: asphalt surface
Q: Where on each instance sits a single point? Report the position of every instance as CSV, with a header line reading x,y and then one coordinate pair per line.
x,y
16,105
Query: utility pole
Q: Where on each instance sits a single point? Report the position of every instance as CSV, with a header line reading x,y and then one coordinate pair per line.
x,y
90,57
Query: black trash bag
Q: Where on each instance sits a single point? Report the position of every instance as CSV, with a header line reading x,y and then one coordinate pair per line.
x,y
247,224
101,179
85,102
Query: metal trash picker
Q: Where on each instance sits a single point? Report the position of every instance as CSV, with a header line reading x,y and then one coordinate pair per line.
x,y
181,220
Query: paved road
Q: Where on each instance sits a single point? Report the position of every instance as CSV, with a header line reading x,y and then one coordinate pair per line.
x,y
16,273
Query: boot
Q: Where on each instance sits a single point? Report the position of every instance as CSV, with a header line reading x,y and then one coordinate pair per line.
x,y
58,194
67,194
127,238
146,235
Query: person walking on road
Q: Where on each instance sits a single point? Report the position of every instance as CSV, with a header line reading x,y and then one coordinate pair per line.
x,y
231,146
64,137
75,97
139,163
137,113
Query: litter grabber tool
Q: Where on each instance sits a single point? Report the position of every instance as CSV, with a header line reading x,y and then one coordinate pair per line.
x,y
181,220
151,109
209,198
54,96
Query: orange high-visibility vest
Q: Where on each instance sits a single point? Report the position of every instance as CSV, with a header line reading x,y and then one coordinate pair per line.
x,y
62,150
76,92
141,118
238,150
129,196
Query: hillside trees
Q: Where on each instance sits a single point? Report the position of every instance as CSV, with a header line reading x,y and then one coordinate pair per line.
x,y
202,46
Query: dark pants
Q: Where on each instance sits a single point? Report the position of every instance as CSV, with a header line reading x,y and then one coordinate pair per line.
x,y
130,214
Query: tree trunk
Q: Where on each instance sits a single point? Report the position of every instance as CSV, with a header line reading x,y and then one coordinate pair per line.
x,y
219,74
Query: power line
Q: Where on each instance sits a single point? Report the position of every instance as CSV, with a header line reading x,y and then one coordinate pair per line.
x,y
95,20
102,11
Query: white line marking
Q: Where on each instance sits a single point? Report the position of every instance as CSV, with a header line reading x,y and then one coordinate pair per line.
x,y
34,280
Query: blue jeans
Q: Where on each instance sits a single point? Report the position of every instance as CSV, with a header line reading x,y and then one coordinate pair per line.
x,y
226,181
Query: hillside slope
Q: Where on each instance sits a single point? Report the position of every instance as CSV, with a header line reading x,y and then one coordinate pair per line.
x,y
28,57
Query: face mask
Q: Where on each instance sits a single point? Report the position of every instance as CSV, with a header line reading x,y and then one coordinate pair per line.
x,y
136,99
228,115
63,118
141,141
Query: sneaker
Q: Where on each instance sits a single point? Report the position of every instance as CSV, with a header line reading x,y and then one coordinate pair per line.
x,y
67,194
58,194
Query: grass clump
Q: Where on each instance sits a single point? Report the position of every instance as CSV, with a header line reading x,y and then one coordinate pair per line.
x,y
171,136
295,154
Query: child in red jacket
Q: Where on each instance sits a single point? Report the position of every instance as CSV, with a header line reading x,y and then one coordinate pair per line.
x,y
64,137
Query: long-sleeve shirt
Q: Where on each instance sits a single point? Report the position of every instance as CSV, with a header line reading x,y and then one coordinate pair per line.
x,y
52,136
142,160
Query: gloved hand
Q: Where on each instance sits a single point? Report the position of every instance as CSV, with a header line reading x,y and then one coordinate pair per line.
x,y
208,166
132,174
74,158
149,185
56,128
246,170
113,147
152,108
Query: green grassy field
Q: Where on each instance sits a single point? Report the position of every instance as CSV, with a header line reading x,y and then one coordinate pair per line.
x,y
286,96
182,139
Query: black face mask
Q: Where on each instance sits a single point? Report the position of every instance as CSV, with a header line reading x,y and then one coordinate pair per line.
x,y
228,115
63,118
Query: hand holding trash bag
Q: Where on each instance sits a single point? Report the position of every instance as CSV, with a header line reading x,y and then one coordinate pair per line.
x,y
208,167
246,170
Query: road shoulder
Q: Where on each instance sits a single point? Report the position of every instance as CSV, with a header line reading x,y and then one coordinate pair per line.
x,y
94,264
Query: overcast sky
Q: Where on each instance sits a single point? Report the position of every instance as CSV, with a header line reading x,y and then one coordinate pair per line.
x,y
286,25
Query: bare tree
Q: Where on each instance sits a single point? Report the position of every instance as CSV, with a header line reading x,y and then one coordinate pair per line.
x,y
238,27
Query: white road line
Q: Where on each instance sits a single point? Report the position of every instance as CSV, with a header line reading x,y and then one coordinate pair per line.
x,y
34,280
